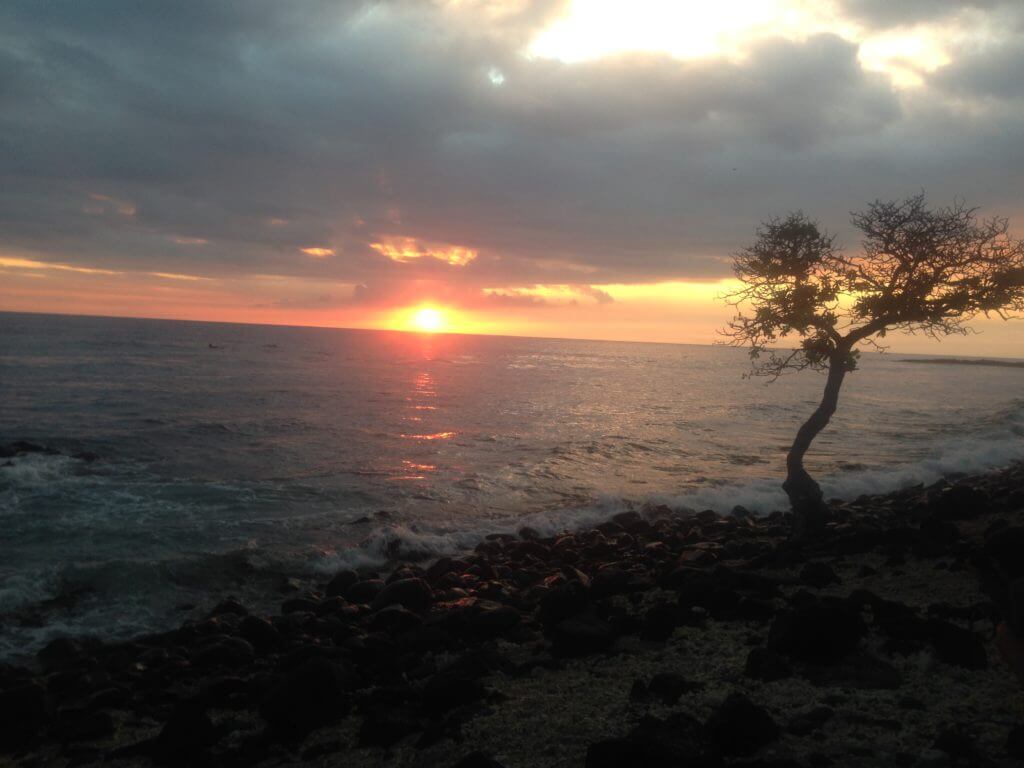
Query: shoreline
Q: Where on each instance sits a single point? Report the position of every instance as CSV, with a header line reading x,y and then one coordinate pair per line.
x,y
675,635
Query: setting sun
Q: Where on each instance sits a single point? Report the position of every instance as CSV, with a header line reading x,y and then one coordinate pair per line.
x,y
428,320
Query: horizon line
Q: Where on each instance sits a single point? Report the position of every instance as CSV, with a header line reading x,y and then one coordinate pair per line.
x,y
451,333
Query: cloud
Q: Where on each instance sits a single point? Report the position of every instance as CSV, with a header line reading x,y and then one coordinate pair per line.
x,y
228,139
893,13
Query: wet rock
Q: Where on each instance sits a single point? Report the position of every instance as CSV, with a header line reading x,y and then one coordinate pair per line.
x,y
805,723
394,619
818,575
822,630
961,502
581,635
631,522
364,591
957,646
740,727
314,694
299,605
228,606
414,594
227,652
767,665
261,633
340,583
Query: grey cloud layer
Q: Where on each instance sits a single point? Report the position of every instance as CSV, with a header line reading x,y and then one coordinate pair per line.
x,y
264,128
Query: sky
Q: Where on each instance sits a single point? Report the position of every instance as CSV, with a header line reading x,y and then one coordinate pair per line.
x,y
572,168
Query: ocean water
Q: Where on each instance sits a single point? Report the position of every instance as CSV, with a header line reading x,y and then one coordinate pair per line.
x,y
198,460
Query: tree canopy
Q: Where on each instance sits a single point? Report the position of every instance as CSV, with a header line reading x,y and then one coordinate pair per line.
x,y
919,270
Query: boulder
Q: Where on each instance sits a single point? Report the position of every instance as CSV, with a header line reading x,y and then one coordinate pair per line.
x,y
414,594
341,582
394,619
364,591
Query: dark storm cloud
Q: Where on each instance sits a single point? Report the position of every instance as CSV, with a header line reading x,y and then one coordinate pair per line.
x,y
130,133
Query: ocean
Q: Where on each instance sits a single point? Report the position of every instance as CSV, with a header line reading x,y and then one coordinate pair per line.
x,y
191,461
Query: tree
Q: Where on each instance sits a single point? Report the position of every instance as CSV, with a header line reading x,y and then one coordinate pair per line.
x,y
920,270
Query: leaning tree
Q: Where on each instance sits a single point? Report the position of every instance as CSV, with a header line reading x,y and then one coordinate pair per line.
x,y
920,269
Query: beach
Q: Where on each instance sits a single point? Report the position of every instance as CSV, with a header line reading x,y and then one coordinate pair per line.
x,y
657,636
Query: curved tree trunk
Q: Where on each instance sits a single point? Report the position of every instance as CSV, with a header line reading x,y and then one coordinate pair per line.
x,y
804,493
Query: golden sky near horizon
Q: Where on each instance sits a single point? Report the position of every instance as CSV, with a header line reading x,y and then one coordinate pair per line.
x,y
579,168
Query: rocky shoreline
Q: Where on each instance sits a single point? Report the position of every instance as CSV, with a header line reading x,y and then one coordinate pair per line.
x,y
655,639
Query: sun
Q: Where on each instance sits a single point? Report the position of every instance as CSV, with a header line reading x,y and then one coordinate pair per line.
x,y
428,320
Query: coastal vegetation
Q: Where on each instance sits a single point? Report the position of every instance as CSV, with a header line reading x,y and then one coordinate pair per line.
x,y
920,270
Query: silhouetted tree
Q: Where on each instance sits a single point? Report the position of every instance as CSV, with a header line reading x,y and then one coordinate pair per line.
x,y
920,270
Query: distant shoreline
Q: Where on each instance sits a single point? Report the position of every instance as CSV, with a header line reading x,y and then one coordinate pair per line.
x,y
965,361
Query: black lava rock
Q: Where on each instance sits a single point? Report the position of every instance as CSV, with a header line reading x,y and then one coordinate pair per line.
x,y
477,760
1015,743
805,723
961,502
822,630
957,646
563,602
676,741
659,622
342,580
818,575
188,731
414,594
24,712
581,635
670,687
740,727
767,665
310,696
364,591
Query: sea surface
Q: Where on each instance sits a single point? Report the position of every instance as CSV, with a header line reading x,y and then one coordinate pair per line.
x,y
196,460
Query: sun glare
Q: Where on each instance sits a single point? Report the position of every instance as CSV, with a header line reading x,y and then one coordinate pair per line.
x,y
428,320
